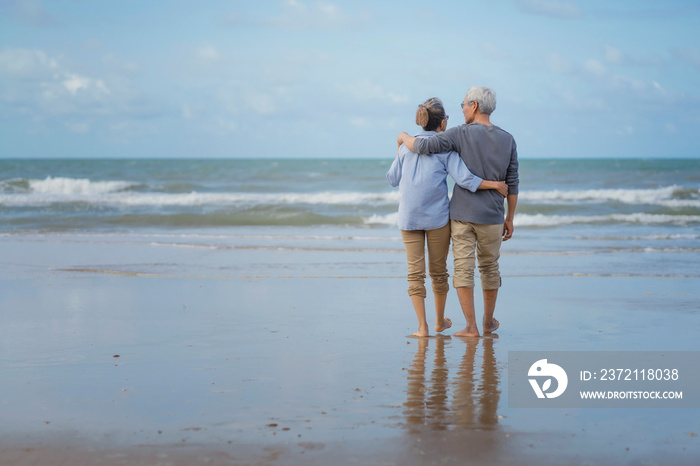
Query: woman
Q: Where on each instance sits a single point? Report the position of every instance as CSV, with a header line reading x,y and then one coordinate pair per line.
x,y
424,212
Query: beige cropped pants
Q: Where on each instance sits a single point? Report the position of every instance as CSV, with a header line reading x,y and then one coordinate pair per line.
x,y
471,241
438,246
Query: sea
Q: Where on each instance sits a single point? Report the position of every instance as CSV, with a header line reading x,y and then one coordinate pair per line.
x,y
612,216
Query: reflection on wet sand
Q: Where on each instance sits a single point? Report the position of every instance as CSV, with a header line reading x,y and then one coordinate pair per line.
x,y
468,400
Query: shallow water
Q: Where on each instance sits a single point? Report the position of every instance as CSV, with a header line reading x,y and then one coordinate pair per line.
x,y
220,340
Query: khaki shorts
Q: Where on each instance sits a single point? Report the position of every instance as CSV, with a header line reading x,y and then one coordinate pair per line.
x,y
438,246
471,241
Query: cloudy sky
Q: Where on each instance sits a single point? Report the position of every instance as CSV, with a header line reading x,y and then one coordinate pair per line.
x,y
336,78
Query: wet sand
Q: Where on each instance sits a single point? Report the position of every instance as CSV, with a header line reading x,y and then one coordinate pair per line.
x,y
123,353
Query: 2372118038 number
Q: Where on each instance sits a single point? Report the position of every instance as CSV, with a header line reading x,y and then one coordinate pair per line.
x,y
638,374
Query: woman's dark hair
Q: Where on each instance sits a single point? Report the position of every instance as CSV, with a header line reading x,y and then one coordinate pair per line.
x,y
430,114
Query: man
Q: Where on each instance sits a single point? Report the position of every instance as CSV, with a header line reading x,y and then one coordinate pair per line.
x,y
477,219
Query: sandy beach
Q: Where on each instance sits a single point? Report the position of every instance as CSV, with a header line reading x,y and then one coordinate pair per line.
x,y
155,351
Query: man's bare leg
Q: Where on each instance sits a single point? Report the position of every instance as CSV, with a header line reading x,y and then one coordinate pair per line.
x,y
490,324
440,322
466,300
419,306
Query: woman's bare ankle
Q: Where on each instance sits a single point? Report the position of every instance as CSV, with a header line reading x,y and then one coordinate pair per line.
x,y
423,331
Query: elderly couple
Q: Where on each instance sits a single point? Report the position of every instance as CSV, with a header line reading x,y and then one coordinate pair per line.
x,y
471,154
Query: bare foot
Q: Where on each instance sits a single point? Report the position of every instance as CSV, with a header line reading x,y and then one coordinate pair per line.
x,y
422,332
446,323
491,326
468,332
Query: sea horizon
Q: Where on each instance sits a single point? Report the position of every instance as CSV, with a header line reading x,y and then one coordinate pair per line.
x,y
263,157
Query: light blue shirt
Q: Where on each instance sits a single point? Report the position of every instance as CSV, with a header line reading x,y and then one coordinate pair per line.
x,y
422,180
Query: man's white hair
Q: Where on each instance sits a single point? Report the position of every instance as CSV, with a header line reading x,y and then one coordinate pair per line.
x,y
484,96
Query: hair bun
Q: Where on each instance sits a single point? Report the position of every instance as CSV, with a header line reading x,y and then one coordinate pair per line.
x,y
430,114
422,115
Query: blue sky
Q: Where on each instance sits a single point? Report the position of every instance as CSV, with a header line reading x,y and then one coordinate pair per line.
x,y
306,78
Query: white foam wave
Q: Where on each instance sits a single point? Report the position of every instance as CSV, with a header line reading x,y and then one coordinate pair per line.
x,y
58,190
658,237
540,220
76,191
389,219
79,186
661,196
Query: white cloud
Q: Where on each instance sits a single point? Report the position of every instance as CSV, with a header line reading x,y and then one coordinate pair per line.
x,y
558,64
261,103
626,130
246,100
658,87
495,51
688,55
295,5
26,64
595,67
74,83
187,112
551,8
39,88
79,127
367,90
613,55
329,10
224,126
120,66
208,53
358,121
621,82
319,15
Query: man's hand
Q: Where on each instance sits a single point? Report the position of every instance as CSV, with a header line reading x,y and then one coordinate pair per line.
x,y
407,139
400,137
507,229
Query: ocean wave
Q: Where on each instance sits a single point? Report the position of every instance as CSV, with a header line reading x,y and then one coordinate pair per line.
x,y
657,237
63,186
539,220
389,219
670,196
109,197
51,190
80,186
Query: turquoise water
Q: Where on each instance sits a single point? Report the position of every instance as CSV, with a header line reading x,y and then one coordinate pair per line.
x,y
644,214
126,195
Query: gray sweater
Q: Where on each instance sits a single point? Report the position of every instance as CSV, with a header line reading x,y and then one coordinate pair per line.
x,y
489,153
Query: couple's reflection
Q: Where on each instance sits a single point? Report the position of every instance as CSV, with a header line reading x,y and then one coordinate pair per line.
x,y
468,400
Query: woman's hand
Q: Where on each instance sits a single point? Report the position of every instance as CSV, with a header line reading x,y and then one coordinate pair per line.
x,y
502,188
499,186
